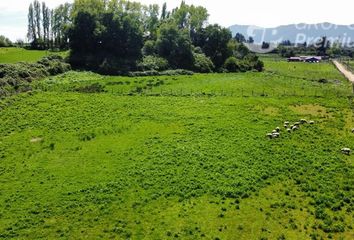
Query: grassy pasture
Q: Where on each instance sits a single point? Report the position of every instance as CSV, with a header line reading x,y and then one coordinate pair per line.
x,y
120,164
14,55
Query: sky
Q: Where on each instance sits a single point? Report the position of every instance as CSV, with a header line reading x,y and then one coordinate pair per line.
x,y
269,13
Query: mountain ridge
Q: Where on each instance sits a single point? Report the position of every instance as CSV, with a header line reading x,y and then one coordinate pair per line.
x,y
296,33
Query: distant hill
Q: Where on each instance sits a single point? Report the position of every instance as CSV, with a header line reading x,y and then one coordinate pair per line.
x,y
298,33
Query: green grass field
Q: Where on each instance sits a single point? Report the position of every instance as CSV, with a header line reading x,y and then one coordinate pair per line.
x,y
182,157
14,55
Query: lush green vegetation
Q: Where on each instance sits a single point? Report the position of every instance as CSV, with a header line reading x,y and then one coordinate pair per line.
x,y
116,37
14,55
90,156
16,78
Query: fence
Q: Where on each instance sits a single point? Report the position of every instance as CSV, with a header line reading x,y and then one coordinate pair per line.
x,y
242,93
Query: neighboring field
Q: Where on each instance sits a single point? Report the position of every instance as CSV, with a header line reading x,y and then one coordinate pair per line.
x,y
190,161
13,55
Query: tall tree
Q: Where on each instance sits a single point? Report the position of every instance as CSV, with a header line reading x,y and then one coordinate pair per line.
x,y
31,32
175,45
46,24
37,18
164,11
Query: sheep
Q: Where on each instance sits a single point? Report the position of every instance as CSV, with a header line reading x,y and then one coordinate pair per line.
x,y
303,121
353,130
269,135
297,124
274,131
294,128
276,135
289,130
346,151
291,126
312,122
277,129
285,126
286,123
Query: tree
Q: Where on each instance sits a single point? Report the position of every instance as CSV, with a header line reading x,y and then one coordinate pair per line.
x,y
37,18
175,45
164,13
151,21
240,38
250,40
108,40
31,32
322,46
213,40
46,24
5,42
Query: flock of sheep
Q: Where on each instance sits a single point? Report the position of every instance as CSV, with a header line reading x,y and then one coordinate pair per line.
x,y
289,128
296,126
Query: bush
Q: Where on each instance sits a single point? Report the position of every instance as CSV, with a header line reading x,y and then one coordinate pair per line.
x,y
202,63
16,77
232,65
153,63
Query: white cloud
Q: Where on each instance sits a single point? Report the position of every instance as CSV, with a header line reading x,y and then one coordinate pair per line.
x,y
225,12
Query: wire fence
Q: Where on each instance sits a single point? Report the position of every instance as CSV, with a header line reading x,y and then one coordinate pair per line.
x,y
243,93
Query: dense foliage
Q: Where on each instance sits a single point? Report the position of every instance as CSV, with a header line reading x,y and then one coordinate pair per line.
x,y
16,77
117,36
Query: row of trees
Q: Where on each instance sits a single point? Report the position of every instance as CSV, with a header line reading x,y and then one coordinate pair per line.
x,y
48,28
113,36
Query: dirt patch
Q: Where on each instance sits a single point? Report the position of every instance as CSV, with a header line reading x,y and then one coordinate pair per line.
x,y
310,109
271,111
35,140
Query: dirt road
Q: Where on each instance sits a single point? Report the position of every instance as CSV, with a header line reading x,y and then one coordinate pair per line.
x,y
348,74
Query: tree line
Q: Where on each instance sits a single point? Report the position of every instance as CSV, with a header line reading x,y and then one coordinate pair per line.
x,y
118,36
48,28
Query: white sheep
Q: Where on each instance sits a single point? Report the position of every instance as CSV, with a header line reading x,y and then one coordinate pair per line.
x,y
276,135
269,135
274,131
353,130
312,122
294,128
303,121
286,123
297,124
277,129
289,130
346,151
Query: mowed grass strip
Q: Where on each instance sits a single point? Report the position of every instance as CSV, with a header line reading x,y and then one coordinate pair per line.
x,y
14,55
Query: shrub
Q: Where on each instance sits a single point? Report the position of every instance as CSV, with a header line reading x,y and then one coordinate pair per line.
x,y
202,63
232,65
153,63
16,77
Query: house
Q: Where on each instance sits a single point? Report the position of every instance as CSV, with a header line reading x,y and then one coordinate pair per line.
x,y
313,59
295,59
308,59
